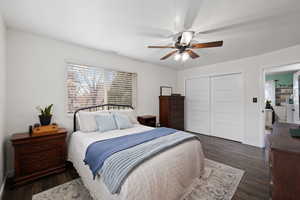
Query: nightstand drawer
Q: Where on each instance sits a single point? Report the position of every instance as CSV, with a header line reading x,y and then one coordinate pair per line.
x,y
39,161
37,147
147,120
151,122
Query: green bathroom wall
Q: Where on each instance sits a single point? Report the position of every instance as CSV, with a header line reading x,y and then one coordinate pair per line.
x,y
283,79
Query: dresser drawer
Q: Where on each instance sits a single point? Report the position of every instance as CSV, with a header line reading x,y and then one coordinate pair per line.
x,y
177,106
176,115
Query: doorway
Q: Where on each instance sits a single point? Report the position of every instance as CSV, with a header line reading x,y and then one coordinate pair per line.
x,y
281,95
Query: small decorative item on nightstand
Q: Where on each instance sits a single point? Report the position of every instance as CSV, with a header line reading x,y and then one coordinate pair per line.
x,y
147,120
44,130
38,156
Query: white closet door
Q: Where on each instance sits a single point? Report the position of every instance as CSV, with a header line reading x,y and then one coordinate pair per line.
x,y
227,107
197,115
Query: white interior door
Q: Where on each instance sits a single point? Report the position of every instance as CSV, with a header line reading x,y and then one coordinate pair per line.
x,y
227,107
197,112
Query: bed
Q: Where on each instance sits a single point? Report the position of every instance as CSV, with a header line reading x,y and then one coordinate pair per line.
x,y
167,175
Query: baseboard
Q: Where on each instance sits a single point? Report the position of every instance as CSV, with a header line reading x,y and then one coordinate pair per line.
x,y
254,145
2,187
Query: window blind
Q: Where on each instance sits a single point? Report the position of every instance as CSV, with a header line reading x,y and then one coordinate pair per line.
x,y
89,86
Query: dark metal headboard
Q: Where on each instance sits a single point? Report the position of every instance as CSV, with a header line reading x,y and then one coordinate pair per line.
x,y
96,108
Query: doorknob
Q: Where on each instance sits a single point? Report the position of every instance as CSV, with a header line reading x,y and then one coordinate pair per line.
x,y
263,111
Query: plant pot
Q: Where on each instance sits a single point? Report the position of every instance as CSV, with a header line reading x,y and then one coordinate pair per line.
x,y
45,120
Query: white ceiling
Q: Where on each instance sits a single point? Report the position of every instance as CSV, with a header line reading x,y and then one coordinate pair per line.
x,y
126,27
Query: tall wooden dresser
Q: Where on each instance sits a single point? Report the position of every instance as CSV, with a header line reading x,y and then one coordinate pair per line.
x,y
171,112
284,163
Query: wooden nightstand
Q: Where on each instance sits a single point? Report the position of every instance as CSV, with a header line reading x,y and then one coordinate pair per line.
x,y
38,156
147,120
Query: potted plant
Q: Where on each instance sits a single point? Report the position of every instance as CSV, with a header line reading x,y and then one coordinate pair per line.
x,y
268,104
45,115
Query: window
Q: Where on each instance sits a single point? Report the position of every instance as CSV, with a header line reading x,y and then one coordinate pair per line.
x,y
89,86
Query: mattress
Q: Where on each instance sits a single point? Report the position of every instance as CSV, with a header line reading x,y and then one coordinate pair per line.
x,y
165,176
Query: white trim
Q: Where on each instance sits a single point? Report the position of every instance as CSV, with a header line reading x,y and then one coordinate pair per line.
x,y
296,94
283,68
262,107
244,107
3,186
202,133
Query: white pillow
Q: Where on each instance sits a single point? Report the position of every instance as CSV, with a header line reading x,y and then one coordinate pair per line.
x,y
106,122
87,121
122,121
129,113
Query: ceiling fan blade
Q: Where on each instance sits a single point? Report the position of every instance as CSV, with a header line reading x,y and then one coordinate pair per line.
x,y
168,55
192,13
207,45
161,47
192,54
185,13
155,32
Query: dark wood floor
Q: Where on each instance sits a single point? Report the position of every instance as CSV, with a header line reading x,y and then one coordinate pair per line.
x,y
255,182
253,186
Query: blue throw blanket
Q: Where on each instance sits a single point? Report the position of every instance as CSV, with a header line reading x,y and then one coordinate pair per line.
x,y
117,167
98,152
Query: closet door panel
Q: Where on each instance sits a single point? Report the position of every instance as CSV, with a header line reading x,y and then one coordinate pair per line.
x,y
227,107
197,115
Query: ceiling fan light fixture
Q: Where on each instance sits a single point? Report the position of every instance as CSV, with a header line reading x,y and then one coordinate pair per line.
x,y
186,37
177,56
185,56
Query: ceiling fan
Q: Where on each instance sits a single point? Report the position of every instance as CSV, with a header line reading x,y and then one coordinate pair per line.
x,y
184,46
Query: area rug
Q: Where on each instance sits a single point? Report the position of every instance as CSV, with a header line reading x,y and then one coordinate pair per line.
x,y
219,182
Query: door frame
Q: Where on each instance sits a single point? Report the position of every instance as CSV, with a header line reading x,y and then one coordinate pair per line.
x,y
275,68
209,75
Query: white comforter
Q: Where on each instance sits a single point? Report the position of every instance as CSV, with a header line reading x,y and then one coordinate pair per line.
x,y
163,177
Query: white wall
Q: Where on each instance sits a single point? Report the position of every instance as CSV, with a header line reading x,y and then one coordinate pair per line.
x,y
251,68
36,76
2,96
